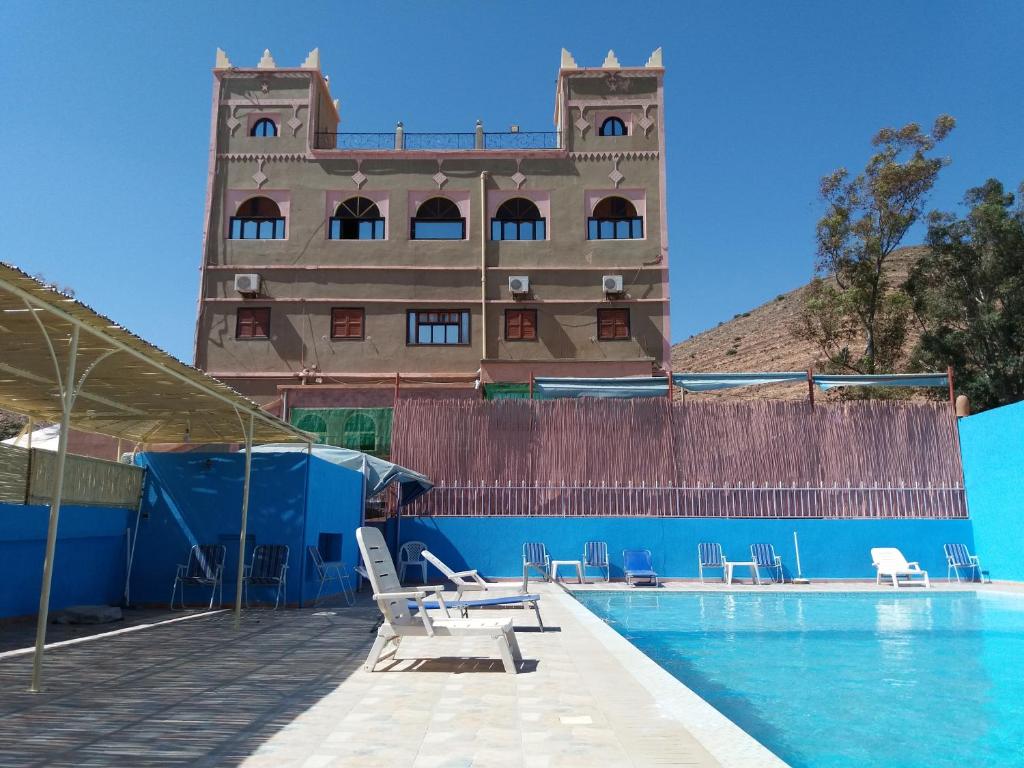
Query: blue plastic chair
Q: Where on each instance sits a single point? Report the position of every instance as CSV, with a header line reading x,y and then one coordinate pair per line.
x,y
595,555
535,555
957,557
710,555
637,565
765,557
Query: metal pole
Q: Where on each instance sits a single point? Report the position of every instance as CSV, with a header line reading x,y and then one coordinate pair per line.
x,y
810,385
245,521
949,380
68,401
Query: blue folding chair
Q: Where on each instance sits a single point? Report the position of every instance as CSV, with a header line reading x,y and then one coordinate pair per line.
x,y
765,557
637,565
204,568
710,555
595,555
535,555
269,568
957,557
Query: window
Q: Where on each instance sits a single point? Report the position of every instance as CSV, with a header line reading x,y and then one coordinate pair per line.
x,y
252,323
347,323
258,218
613,325
518,219
447,327
264,128
615,219
613,126
360,432
520,325
438,219
357,219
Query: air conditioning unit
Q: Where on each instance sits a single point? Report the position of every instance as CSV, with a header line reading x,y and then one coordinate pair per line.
x,y
518,284
249,283
611,283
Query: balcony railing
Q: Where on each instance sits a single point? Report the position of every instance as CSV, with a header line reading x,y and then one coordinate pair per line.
x,y
439,142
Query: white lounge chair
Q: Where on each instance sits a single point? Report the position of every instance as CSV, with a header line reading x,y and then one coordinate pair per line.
x,y
890,563
467,581
399,621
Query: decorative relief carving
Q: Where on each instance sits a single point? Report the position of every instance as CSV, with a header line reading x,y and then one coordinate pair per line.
x,y
233,122
518,179
359,178
440,179
582,124
616,175
260,177
293,122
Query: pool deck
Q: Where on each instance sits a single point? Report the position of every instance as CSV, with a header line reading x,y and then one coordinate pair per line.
x,y
836,585
287,689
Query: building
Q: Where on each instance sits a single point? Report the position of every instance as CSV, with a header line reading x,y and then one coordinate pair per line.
x,y
343,270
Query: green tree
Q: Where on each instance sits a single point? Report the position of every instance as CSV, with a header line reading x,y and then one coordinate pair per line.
x,y
968,294
851,311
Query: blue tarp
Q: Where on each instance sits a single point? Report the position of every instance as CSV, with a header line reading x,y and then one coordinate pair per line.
x,y
378,473
707,382
549,388
883,380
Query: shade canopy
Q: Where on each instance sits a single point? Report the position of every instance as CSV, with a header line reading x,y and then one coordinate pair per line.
x,y
129,388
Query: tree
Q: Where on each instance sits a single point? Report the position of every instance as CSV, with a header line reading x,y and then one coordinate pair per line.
x,y
968,295
852,301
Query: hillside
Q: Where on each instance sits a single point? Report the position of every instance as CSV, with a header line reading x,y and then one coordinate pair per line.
x,y
760,340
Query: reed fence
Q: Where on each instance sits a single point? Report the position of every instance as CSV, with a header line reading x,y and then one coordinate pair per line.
x,y
28,476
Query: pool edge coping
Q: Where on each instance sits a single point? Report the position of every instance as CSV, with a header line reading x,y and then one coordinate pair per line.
x,y
726,741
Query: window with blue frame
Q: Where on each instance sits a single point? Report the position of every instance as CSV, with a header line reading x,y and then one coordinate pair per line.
x,y
264,128
444,327
357,219
258,218
438,219
518,219
612,126
615,218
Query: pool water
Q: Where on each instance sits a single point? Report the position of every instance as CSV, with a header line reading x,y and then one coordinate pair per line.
x,y
845,679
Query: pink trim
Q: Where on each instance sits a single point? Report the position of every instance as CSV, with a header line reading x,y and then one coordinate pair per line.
x,y
412,302
252,117
626,114
233,199
663,213
638,197
460,197
416,267
540,197
335,197
454,154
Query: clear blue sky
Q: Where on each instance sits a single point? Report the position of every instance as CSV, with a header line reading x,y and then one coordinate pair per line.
x,y
106,120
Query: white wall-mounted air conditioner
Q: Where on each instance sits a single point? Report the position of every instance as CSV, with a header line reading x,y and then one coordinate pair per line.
x,y
518,284
247,283
611,283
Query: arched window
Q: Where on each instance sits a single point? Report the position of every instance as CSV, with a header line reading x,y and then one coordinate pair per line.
x,y
518,219
615,218
438,219
258,218
264,128
357,218
315,423
612,126
360,432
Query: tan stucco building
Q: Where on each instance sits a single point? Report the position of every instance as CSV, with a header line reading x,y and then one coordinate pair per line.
x,y
344,269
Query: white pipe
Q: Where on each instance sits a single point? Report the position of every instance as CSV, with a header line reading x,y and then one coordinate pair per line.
x,y
245,521
483,266
68,401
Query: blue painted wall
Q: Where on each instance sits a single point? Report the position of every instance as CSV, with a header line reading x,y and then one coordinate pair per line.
x,y
196,498
89,563
992,444
828,548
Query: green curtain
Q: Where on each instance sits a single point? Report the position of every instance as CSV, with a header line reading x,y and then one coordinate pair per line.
x,y
506,391
362,429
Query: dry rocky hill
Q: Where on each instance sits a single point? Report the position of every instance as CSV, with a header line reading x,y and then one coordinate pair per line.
x,y
761,340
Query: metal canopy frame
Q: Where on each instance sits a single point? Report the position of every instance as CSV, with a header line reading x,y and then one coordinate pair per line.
x,y
51,345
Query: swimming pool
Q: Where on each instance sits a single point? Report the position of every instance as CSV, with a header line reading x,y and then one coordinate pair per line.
x,y
845,679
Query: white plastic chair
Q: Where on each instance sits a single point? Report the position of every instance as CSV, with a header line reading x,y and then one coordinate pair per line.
x,y
466,581
890,563
411,556
399,621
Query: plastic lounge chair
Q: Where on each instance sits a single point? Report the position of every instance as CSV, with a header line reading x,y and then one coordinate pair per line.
x,y
464,581
636,563
890,563
709,555
535,555
399,621
269,568
595,555
203,568
958,557
496,601
333,570
765,557
410,556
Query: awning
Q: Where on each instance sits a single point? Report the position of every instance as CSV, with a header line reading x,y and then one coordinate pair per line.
x,y
883,380
379,474
708,382
550,388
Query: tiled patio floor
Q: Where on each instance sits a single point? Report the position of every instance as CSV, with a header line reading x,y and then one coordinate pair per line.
x,y
287,689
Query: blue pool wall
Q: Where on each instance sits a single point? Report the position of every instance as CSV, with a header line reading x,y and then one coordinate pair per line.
x,y
89,561
992,445
196,498
829,549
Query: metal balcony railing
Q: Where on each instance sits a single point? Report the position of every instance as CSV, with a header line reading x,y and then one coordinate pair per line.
x,y
433,142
